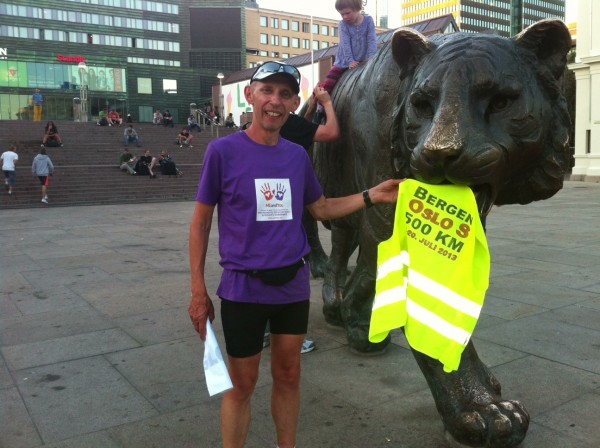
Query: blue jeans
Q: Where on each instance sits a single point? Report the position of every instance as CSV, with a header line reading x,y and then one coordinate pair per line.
x,y
135,139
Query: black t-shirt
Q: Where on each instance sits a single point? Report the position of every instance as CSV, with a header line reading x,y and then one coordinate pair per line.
x,y
146,159
298,130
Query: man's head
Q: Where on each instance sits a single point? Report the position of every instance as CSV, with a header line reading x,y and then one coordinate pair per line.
x,y
164,153
37,90
125,151
275,70
147,152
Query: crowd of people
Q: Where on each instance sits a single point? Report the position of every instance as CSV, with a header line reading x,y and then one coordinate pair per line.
x,y
148,165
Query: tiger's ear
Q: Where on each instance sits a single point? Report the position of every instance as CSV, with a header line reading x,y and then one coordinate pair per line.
x,y
409,47
550,41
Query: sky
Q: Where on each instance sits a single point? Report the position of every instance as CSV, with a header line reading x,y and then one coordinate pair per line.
x,y
326,8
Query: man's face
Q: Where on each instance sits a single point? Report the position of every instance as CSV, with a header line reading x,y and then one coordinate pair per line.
x,y
272,101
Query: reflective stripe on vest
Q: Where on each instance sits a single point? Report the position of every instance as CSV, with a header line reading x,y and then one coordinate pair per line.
x,y
433,272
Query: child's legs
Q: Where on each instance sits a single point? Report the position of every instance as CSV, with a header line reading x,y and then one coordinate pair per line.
x,y
332,78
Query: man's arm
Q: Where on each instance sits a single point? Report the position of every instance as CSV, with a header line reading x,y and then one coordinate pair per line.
x,y
201,306
329,131
332,208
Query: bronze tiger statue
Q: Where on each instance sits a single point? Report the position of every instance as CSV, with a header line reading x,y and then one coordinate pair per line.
x,y
471,109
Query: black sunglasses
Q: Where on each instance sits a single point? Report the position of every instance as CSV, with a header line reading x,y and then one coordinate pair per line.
x,y
271,68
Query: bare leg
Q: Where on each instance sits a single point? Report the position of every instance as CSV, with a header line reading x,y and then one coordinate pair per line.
x,y
235,408
285,398
44,191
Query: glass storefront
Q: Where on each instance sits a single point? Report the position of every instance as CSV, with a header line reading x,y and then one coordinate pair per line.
x,y
60,83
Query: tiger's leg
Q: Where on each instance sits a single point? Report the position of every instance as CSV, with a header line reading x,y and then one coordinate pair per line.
x,y
470,403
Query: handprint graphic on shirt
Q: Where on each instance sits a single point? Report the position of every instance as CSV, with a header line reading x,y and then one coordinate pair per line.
x,y
280,192
266,191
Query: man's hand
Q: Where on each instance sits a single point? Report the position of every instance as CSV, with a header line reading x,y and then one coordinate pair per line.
x,y
386,191
200,309
354,64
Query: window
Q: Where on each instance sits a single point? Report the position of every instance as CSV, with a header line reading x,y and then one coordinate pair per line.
x,y
144,85
264,39
285,55
264,53
274,22
263,21
274,40
285,24
275,54
295,25
306,44
295,42
325,30
305,27
324,44
170,86
315,28
315,45
285,41
334,31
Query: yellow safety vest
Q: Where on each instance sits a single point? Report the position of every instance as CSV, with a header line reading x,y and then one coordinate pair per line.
x,y
433,272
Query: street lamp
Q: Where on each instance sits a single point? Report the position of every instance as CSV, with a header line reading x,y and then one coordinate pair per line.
x,y
221,108
83,90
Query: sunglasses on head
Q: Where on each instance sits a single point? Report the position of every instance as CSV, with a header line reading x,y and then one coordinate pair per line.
x,y
271,68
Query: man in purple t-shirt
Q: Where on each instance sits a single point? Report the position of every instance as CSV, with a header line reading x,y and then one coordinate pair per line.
x,y
261,183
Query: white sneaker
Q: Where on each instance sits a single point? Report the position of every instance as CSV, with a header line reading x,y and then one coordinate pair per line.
x,y
308,346
45,201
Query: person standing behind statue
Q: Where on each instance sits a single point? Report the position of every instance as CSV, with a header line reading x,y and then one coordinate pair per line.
x,y
9,160
37,99
42,168
358,43
260,184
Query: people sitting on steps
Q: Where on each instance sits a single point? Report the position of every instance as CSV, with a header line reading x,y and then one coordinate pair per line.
x,y
168,119
192,123
229,123
131,136
167,164
184,138
157,119
127,161
145,165
114,118
103,118
51,135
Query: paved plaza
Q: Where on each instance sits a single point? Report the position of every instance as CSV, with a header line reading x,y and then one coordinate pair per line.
x,y
97,349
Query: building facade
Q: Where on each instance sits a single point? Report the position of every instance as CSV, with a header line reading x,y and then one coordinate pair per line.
x,y
130,55
276,35
587,76
506,17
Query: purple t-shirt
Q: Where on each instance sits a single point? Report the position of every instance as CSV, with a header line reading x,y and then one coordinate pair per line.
x,y
261,192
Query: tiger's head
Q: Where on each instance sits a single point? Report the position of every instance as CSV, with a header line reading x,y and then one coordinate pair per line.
x,y
485,111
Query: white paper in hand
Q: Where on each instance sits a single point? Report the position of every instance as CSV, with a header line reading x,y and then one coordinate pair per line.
x,y
215,369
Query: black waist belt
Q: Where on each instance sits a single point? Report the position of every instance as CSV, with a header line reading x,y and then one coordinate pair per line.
x,y
277,276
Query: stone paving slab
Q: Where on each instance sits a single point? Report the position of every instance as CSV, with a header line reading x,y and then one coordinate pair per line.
x,y
96,348
80,396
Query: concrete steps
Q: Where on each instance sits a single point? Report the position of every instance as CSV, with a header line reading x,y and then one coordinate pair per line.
x,y
86,167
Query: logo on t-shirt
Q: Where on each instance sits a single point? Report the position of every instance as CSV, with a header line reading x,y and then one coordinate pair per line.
x,y
273,199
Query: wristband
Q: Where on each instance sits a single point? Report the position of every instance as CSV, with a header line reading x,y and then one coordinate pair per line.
x,y
367,199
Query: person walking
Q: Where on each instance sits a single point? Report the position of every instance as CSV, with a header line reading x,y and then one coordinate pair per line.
x,y
43,168
260,183
37,99
9,161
